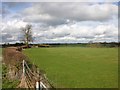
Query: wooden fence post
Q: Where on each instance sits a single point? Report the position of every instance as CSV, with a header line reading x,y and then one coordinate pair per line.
x,y
24,67
37,85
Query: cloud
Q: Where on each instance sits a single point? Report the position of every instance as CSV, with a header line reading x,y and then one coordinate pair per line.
x,y
79,31
63,22
10,25
7,37
11,30
58,13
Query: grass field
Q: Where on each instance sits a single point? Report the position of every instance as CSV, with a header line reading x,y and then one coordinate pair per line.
x,y
0,61
75,67
0,68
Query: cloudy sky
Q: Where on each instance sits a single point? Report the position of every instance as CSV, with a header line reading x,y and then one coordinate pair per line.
x,y
60,22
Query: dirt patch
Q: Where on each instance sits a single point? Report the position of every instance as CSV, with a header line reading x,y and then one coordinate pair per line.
x,y
12,57
13,60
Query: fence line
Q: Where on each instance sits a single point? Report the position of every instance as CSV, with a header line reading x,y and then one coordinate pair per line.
x,y
32,80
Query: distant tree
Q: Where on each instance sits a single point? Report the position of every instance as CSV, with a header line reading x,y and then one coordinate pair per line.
x,y
27,34
90,42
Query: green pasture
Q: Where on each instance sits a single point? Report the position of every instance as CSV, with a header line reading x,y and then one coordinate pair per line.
x,y
75,67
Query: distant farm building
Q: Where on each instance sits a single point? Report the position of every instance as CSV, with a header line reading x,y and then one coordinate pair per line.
x,y
43,45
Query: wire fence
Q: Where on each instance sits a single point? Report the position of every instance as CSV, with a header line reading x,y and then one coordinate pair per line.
x,y
32,79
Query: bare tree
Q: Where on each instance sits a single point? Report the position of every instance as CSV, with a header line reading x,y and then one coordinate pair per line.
x,y
27,34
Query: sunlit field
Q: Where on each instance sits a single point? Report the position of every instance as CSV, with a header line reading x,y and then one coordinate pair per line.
x,y
75,67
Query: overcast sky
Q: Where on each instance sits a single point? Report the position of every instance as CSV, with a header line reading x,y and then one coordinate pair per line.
x,y
60,22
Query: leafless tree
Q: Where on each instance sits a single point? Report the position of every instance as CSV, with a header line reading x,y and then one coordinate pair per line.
x,y
27,34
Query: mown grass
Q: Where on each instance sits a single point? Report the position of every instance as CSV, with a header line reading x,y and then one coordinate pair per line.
x,y
0,68
0,59
75,67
